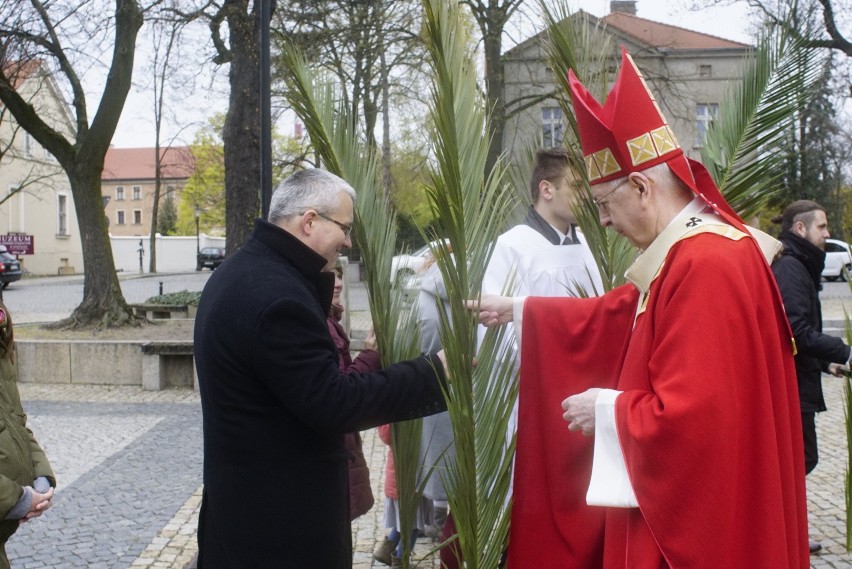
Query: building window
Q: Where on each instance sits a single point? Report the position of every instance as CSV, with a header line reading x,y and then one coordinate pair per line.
x,y
62,214
705,71
137,193
119,218
119,193
137,217
28,145
551,127
704,115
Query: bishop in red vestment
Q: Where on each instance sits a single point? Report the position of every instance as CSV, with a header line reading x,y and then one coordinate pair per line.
x,y
684,377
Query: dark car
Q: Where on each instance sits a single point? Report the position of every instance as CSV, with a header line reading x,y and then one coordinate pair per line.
x,y
10,268
209,257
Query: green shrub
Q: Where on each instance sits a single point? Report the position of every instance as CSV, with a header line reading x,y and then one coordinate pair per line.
x,y
180,298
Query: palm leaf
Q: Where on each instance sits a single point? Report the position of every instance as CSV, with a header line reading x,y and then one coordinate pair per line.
x,y
746,144
340,149
574,44
471,210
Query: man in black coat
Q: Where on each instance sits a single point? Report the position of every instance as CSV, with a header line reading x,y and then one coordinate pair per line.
x,y
804,229
275,405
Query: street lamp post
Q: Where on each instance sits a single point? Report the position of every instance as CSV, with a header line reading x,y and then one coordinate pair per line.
x,y
197,234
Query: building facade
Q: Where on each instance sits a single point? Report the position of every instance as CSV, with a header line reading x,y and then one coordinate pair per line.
x,y
36,203
689,73
128,185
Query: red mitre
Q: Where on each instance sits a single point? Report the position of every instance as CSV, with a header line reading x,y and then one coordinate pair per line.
x,y
629,134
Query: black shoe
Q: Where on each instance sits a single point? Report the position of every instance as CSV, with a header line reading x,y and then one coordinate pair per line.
x,y
815,546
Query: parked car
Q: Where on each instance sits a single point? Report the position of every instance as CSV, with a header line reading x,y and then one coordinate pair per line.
x,y
838,261
10,268
406,267
209,257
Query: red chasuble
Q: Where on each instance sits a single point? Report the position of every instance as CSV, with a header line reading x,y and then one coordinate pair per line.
x,y
708,421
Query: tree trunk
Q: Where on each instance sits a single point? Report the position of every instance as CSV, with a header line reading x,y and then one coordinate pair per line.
x,y
152,246
241,135
103,303
494,79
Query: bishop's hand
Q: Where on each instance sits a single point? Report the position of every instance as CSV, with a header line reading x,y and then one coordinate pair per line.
x,y
493,310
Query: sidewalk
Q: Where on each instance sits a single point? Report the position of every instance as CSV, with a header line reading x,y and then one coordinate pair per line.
x,y
129,462
129,470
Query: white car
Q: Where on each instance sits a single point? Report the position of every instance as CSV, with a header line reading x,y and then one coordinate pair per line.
x,y
838,261
406,268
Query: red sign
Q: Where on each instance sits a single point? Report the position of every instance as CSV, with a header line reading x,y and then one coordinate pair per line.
x,y
18,243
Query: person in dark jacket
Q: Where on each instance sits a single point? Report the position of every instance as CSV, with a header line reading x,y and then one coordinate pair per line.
x,y
275,404
26,478
804,229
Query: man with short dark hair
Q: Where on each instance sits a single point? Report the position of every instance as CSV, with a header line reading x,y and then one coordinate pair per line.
x,y
544,255
275,404
804,229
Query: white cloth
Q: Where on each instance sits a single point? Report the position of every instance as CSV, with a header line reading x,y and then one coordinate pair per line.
x,y
524,263
610,485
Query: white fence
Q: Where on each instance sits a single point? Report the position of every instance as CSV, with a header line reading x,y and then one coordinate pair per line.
x,y
174,254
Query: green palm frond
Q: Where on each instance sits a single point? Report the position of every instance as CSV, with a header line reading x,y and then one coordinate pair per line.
x,y
745,146
572,43
471,210
337,143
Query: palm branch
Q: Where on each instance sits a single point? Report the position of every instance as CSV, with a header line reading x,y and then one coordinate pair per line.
x,y
746,144
470,209
337,143
573,44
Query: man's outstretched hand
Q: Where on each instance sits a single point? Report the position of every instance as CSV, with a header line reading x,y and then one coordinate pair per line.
x,y
493,310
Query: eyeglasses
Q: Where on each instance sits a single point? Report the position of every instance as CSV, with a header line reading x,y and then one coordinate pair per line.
x,y
347,229
603,205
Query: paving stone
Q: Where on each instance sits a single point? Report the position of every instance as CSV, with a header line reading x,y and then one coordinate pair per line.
x,y
129,469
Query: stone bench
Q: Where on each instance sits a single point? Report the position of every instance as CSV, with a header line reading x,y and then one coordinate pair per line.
x,y
161,311
168,364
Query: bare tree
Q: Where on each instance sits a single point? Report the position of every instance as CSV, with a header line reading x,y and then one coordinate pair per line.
x,y
67,37
371,48
492,16
235,31
775,11
164,39
38,173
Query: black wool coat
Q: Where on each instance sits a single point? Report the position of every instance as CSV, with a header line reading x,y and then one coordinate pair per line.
x,y
797,272
276,408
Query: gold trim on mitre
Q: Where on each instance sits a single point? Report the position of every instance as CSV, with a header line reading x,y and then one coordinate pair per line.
x,y
641,149
592,168
606,162
664,140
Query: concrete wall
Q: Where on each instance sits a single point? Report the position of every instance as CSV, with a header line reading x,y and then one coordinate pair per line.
x,y
174,254
101,363
98,363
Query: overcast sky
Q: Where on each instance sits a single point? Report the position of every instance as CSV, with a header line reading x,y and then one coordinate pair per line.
x,y
135,128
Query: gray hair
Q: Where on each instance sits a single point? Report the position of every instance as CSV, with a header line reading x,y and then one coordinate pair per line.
x,y
307,189
660,173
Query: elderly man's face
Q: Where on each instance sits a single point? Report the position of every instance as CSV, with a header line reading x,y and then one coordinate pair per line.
x,y
620,207
331,230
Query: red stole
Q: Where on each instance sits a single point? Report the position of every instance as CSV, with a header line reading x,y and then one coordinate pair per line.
x,y
551,524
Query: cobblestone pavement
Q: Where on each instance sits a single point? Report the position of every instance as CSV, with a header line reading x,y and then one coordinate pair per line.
x,y
129,468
